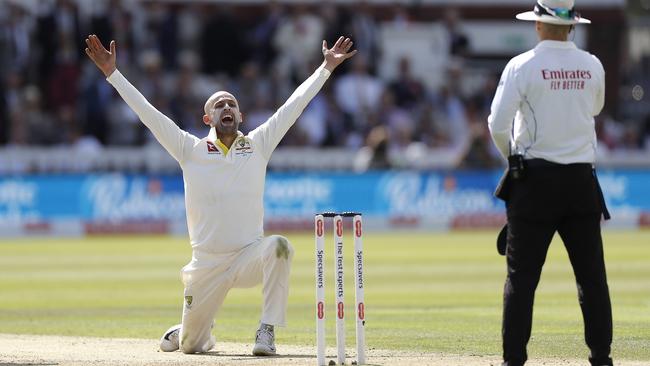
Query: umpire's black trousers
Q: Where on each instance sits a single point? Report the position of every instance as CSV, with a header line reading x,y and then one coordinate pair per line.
x,y
566,199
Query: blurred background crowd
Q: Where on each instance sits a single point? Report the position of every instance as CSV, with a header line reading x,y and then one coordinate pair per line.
x,y
177,53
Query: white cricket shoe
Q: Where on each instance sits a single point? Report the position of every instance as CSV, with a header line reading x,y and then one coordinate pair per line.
x,y
264,343
169,342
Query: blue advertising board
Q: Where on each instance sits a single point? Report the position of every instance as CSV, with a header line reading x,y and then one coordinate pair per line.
x,y
382,194
443,195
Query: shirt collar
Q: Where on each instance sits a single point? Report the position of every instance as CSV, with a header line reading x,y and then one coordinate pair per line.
x,y
556,44
212,136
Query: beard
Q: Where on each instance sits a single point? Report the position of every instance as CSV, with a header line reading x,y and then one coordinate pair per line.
x,y
227,130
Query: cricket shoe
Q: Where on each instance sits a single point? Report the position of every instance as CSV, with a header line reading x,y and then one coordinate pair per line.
x,y
169,342
264,342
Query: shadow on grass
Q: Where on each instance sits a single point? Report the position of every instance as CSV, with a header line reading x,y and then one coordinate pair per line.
x,y
245,356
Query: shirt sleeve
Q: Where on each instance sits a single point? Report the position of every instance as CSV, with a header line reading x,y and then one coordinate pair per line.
x,y
600,93
504,107
269,134
170,136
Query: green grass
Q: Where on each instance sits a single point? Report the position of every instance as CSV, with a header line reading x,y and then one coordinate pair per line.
x,y
424,292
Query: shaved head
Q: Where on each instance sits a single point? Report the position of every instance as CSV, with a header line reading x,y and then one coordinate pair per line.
x,y
222,113
209,104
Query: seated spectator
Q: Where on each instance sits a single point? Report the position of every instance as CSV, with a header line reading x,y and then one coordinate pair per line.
x,y
374,155
408,90
294,35
358,93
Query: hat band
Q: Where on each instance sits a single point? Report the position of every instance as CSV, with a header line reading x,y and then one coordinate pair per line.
x,y
562,13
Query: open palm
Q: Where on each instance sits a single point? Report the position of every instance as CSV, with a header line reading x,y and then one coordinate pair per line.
x,y
339,52
103,58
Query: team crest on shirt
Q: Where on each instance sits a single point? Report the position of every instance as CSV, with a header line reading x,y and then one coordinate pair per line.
x,y
243,147
188,302
212,149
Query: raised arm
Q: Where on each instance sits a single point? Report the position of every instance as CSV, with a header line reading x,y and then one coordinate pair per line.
x,y
272,131
170,136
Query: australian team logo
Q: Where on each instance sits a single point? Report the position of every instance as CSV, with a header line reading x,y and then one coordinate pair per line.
x,y
188,302
212,149
243,147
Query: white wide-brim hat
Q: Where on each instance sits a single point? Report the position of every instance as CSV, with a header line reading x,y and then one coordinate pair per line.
x,y
559,12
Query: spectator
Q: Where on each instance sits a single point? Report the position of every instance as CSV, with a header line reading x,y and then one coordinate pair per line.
x,y
338,133
374,155
65,72
222,25
58,26
15,40
95,100
162,30
428,130
263,33
398,121
261,110
342,115
4,118
363,28
409,92
334,21
313,121
480,153
184,96
358,93
458,41
295,35
401,16
450,118
153,79
124,127
645,134
13,103
250,84
38,125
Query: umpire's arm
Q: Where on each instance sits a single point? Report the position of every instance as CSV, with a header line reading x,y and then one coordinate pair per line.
x,y
504,107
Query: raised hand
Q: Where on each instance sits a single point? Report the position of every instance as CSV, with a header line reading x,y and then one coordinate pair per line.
x,y
338,53
103,58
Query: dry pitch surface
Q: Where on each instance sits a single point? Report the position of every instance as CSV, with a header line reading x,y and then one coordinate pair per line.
x,y
35,350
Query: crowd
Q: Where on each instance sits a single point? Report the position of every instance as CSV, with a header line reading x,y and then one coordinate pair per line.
x,y
177,54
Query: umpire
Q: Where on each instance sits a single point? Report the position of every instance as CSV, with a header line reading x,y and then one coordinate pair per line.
x,y
552,93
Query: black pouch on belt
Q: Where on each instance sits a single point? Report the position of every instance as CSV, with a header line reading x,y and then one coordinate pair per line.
x,y
517,166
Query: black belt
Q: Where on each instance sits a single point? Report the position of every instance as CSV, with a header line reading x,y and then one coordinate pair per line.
x,y
541,163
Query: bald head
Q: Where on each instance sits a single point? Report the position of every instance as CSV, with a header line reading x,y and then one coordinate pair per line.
x,y
209,104
222,113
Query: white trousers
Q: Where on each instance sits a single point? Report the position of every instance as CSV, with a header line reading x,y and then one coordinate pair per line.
x,y
209,277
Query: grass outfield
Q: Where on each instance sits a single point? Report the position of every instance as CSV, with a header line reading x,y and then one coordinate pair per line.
x,y
424,292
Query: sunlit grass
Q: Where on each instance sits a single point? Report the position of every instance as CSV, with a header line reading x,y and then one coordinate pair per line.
x,y
425,292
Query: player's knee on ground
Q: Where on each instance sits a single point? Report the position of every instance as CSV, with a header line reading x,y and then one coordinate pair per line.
x,y
191,345
279,248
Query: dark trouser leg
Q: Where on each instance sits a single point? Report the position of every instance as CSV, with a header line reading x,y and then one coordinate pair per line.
x,y
581,236
528,243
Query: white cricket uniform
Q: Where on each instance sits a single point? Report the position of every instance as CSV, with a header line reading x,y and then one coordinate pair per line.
x,y
225,211
553,93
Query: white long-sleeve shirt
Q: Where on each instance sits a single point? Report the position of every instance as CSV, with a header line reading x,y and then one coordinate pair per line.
x,y
552,92
223,191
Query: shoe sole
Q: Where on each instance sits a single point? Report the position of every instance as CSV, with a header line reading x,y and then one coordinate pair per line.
x,y
263,352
